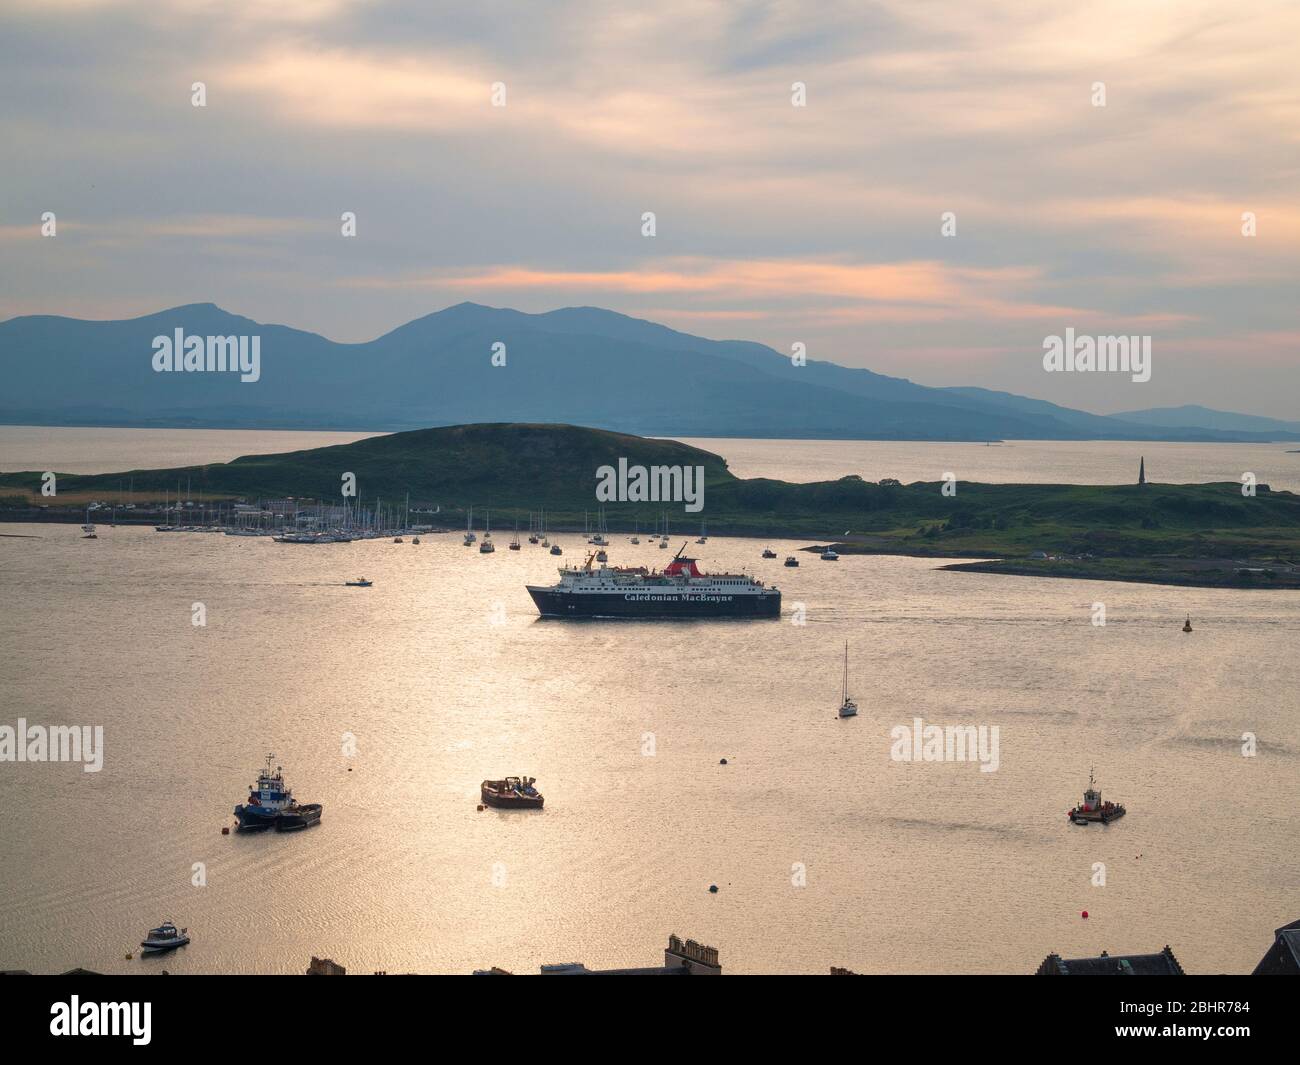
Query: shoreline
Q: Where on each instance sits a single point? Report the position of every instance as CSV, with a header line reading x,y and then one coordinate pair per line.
x,y
1170,571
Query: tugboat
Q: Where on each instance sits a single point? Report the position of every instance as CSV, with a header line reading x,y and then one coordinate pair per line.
x,y
1093,809
165,937
512,793
272,805
679,591
790,560
768,553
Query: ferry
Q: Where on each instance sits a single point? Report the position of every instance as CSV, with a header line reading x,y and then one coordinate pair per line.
x,y
513,793
271,804
1092,809
679,591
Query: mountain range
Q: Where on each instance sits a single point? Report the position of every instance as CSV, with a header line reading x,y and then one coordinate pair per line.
x,y
580,365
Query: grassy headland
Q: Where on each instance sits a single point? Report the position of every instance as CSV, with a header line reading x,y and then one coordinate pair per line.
x,y
1208,534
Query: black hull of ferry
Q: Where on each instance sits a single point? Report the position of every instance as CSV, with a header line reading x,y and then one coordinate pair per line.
x,y
554,604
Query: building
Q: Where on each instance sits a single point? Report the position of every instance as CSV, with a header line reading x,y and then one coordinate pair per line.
x,y
1283,957
1162,964
680,959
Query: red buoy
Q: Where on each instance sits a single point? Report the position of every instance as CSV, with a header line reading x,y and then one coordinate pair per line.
x,y
1085,915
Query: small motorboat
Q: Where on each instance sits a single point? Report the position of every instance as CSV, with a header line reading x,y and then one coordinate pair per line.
x,y
601,556
1093,809
360,582
487,546
555,549
830,555
636,539
1187,625
397,539
165,937
512,793
768,553
415,540
790,560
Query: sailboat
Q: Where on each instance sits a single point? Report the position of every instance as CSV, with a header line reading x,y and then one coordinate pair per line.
x,y
487,546
704,534
89,528
514,544
848,708
469,527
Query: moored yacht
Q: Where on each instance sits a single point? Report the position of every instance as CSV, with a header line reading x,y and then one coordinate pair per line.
x,y
848,708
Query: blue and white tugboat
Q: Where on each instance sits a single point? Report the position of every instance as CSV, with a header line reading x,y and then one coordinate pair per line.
x,y
271,804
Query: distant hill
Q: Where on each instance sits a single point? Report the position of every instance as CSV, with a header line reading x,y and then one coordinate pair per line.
x,y
1185,533
1192,416
579,365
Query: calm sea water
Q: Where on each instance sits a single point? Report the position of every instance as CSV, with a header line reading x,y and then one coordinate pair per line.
x,y
442,674
1020,461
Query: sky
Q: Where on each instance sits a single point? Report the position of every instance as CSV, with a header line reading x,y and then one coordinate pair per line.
x,y
1098,159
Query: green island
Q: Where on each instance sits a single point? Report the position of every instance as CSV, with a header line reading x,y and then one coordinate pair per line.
x,y
1193,534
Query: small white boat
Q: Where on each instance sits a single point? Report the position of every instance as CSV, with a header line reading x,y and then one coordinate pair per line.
x,y
829,555
360,582
848,708
165,937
